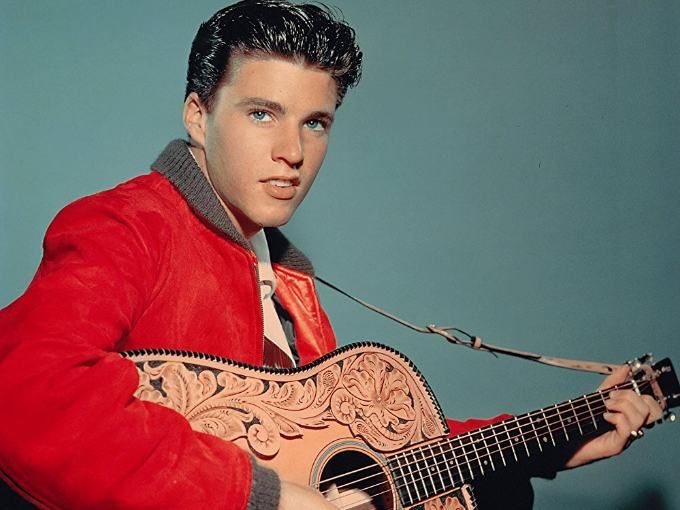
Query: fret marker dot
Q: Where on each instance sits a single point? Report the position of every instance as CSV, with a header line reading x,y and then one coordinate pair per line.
x,y
545,439
485,462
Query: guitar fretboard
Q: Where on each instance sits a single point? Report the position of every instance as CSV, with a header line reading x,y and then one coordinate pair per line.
x,y
436,468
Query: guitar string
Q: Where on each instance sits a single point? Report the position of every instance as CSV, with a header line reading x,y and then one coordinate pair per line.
x,y
475,460
576,404
423,479
580,402
533,435
471,463
419,470
498,425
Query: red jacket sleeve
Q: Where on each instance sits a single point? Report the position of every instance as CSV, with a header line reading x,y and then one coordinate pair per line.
x,y
72,434
461,427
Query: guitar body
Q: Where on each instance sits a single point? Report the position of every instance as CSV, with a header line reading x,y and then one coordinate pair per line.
x,y
335,425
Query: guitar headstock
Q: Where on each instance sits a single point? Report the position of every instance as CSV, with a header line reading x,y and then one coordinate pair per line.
x,y
658,380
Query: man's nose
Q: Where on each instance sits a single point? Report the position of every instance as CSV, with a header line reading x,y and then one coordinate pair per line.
x,y
289,147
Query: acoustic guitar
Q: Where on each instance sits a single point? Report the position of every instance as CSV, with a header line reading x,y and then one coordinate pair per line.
x,y
362,425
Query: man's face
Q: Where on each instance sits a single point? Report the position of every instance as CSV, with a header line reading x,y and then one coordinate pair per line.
x,y
265,139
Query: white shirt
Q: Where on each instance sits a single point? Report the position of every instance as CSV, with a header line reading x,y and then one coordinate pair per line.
x,y
272,324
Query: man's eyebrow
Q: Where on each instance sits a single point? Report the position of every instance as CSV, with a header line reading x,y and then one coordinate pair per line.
x,y
261,102
322,114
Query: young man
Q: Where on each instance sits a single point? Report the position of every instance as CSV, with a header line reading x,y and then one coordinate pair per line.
x,y
188,257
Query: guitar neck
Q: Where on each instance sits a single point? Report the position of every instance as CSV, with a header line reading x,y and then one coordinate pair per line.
x,y
433,469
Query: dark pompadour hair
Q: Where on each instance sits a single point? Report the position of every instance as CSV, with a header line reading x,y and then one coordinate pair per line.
x,y
310,33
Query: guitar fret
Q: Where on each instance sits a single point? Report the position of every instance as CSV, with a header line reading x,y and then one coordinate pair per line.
x,y
473,442
587,419
447,463
559,415
547,422
635,386
590,410
489,455
526,443
468,462
413,476
578,423
554,425
525,433
413,479
436,465
604,400
510,440
460,472
499,440
403,477
424,471
538,439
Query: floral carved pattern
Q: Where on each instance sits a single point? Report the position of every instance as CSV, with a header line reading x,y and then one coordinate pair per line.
x,y
458,500
376,395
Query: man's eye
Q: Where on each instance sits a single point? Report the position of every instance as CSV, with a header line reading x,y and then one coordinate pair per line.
x,y
259,115
316,125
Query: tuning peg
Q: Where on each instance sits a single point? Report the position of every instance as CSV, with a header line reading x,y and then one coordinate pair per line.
x,y
636,363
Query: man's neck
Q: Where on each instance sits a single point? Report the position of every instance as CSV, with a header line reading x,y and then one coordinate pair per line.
x,y
199,157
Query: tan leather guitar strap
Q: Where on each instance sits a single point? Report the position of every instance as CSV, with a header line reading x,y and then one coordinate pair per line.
x,y
475,342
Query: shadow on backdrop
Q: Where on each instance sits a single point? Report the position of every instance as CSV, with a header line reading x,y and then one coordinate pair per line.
x,y
650,495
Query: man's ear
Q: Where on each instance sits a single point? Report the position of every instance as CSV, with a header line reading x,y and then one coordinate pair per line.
x,y
195,117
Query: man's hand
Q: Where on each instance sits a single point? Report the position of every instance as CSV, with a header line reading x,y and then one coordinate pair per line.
x,y
301,497
627,412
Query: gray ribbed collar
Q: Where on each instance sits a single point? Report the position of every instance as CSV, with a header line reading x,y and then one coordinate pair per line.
x,y
178,165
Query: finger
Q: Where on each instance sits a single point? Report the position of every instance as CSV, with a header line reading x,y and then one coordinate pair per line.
x,y
332,493
618,376
300,497
645,403
635,411
633,399
655,411
622,429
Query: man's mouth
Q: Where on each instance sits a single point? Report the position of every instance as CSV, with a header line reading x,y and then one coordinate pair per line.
x,y
281,189
280,184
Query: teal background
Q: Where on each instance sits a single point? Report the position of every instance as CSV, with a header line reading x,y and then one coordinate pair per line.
x,y
508,167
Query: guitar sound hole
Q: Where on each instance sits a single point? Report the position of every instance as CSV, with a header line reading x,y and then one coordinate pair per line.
x,y
350,471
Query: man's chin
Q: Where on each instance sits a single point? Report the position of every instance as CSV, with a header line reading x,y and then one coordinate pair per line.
x,y
275,222
276,218
250,224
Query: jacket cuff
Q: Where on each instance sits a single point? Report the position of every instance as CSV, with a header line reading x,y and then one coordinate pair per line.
x,y
265,488
553,462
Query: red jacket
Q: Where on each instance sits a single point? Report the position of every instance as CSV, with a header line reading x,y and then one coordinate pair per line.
x,y
151,263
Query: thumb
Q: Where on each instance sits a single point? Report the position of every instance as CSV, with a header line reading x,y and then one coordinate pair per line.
x,y
618,376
